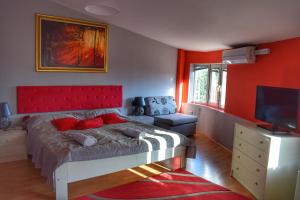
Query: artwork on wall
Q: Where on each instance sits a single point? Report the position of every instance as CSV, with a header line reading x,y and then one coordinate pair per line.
x,y
70,45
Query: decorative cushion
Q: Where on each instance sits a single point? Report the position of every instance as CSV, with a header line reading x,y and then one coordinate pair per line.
x,y
161,105
89,123
64,124
85,140
175,119
111,118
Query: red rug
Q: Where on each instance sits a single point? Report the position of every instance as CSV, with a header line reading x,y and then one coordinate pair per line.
x,y
178,184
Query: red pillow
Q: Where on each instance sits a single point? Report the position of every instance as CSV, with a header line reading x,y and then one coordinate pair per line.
x,y
89,123
111,118
64,124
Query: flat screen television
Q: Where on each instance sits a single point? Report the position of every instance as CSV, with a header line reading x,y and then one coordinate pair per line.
x,y
278,107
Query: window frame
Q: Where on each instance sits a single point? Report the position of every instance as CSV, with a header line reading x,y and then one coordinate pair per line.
x,y
210,67
224,68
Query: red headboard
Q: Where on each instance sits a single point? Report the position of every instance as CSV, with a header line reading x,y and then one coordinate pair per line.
x,y
31,99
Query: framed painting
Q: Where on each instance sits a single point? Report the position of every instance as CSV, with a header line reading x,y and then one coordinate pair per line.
x,y
70,45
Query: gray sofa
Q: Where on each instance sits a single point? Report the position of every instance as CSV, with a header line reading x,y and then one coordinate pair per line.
x,y
164,111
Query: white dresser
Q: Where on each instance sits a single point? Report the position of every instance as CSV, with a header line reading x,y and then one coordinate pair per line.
x,y
12,145
265,164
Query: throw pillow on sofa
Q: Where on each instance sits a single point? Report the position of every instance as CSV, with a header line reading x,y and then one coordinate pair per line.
x,y
160,105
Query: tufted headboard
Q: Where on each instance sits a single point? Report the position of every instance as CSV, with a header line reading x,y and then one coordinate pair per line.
x,y
32,99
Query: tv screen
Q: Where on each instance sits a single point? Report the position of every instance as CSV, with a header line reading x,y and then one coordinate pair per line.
x,y
277,106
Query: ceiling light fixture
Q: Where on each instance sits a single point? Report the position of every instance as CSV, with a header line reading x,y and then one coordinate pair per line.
x,y
103,8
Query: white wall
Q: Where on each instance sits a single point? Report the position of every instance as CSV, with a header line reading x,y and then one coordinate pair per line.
x,y
143,66
217,125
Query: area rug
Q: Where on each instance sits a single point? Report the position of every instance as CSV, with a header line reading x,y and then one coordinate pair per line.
x,y
178,184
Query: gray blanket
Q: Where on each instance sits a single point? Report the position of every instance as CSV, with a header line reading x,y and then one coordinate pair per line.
x,y
50,148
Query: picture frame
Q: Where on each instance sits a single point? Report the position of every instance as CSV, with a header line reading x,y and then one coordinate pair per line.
x,y
70,45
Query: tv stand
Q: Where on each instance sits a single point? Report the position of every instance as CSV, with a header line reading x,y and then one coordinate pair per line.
x,y
262,162
275,130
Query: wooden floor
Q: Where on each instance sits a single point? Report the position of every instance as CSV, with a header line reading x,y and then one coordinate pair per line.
x,y
20,180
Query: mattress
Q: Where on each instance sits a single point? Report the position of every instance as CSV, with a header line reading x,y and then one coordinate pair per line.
x,y
51,148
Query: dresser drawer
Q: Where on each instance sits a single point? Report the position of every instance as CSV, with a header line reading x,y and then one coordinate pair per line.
x,y
251,151
10,150
249,180
8,139
252,166
10,158
258,140
12,145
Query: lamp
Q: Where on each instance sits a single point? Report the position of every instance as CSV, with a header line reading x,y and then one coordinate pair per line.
x,y
139,104
5,114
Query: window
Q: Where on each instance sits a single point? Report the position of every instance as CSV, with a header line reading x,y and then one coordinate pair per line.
x,y
201,80
208,84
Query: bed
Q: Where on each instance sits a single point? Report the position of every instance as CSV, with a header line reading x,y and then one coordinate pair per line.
x,y
63,161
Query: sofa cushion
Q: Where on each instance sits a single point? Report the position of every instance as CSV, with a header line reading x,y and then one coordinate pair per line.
x,y
175,119
184,129
161,105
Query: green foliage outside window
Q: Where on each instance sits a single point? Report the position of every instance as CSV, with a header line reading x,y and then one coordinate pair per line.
x,y
201,84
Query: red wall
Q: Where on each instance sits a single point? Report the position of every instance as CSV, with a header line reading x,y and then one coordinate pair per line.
x,y
280,68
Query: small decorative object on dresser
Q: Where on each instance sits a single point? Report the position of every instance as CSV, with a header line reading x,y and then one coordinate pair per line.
x,y
139,104
5,114
12,145
266,163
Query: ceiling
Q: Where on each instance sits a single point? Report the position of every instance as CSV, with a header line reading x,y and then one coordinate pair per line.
x,y
204,25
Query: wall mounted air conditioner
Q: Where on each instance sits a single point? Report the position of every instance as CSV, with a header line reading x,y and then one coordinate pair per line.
x,y
244,55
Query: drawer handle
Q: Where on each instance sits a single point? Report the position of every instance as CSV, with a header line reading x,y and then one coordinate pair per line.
x,y
256,183
257,170
240,145
237,168
261,142
241,132
259,156
238,157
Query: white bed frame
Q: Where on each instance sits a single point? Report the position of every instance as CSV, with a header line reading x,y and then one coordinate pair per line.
x,y
75,171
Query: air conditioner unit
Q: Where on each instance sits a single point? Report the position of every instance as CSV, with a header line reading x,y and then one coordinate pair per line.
x,y
244,55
